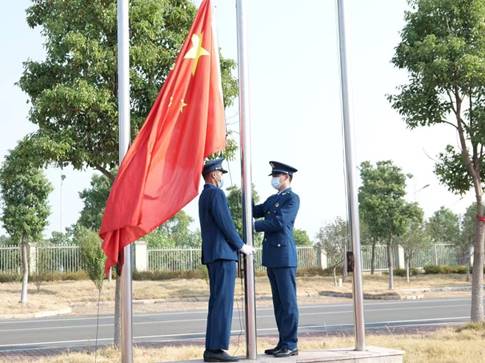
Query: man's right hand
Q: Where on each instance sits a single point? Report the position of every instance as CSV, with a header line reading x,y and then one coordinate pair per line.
x,y
247,250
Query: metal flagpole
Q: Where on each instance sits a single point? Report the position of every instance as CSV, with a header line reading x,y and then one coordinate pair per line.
x,y
351,190
124,141
245,134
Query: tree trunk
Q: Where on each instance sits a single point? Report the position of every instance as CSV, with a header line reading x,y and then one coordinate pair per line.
x,y
335,276
344,265
408,267
117,318
373,257
390,264
468,263
25,272
477,272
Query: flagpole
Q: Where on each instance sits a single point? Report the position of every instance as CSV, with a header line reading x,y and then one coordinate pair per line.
x,y
353,209
245,136
124,141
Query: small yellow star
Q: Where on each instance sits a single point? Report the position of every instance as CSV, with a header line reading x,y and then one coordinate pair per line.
x,y
182,105
170,103
196,51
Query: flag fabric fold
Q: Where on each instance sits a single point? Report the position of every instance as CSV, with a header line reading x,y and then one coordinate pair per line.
x,y
161,171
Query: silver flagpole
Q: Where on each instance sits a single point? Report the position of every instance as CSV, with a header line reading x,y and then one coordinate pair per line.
x,y
124,141
245,135
353,207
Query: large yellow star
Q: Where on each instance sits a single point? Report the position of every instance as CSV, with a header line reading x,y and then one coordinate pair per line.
x,y
196,51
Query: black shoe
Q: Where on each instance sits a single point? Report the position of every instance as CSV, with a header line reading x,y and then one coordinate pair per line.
x,y
285,352
272,351
218,356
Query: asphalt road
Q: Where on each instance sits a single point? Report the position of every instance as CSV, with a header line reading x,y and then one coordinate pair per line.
x,y
70,332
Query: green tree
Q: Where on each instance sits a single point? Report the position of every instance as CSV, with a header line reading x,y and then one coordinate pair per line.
x,y
382,204
333,239
301,237
234,200
444,226
25,191
414,237
60,238
94,199
443,49
175,233
73,91
92,255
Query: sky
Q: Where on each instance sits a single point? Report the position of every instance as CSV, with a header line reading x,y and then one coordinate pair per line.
x,y
294,100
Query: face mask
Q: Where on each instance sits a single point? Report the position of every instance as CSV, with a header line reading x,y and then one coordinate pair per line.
x,y
220,183
275,182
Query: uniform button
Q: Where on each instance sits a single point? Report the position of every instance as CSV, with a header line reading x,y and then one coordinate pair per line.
x,y
279,245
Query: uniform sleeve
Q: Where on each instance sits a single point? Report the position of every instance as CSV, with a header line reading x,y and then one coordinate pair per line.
x,y
222,216
258,210
287,214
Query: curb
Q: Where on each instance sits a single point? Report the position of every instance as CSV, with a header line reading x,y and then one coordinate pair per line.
x,y
39,314
373,296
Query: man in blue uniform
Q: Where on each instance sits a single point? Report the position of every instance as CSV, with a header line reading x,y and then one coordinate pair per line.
x,y
220,246
279,255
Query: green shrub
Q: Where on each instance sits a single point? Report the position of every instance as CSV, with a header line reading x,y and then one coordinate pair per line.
x,y
200,273
445,269
92,255
402,272
10,277
46,276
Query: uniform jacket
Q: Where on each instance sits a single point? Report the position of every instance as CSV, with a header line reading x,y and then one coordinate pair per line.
x,y
279,212
220,240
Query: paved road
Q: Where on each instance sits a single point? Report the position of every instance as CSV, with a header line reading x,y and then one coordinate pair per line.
x,y
63,332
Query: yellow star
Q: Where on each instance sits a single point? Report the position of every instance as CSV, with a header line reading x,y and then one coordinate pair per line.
x,y
196,51
170,103
182,105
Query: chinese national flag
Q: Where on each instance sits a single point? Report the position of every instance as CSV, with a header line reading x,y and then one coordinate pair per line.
x,y
161,171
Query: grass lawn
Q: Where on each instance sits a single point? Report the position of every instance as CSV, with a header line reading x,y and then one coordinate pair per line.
x,y
463,345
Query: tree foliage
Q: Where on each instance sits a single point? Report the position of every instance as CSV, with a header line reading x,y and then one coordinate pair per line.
x,y
92,255
94,199
73,91
301,238
333,238
234,200
444,226
382,205
25,191
442,48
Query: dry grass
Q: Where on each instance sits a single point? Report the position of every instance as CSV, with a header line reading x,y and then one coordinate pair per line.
x,y
443,346
82,295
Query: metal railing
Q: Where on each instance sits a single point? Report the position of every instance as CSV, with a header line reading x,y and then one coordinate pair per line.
x,y
67,258
10,260
56,259
172,260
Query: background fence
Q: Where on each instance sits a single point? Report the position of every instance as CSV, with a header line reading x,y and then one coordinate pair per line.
x,y
45,259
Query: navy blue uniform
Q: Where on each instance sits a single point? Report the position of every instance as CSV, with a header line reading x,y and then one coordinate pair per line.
x,y
220,246
279,256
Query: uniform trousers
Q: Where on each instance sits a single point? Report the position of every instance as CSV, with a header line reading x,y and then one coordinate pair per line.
x,y
222,279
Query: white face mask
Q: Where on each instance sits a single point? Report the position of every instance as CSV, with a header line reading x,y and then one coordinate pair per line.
x,y
220,183
275,182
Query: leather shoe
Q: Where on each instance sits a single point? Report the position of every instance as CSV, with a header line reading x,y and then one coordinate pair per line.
x,y
285,352
272,351
218,356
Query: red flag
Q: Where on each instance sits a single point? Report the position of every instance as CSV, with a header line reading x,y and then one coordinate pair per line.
x,y
161,171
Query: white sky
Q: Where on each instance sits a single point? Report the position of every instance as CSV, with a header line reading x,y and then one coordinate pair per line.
x,y
295,103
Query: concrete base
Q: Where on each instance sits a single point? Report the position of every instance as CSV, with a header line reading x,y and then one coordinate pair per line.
x,y
340,355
